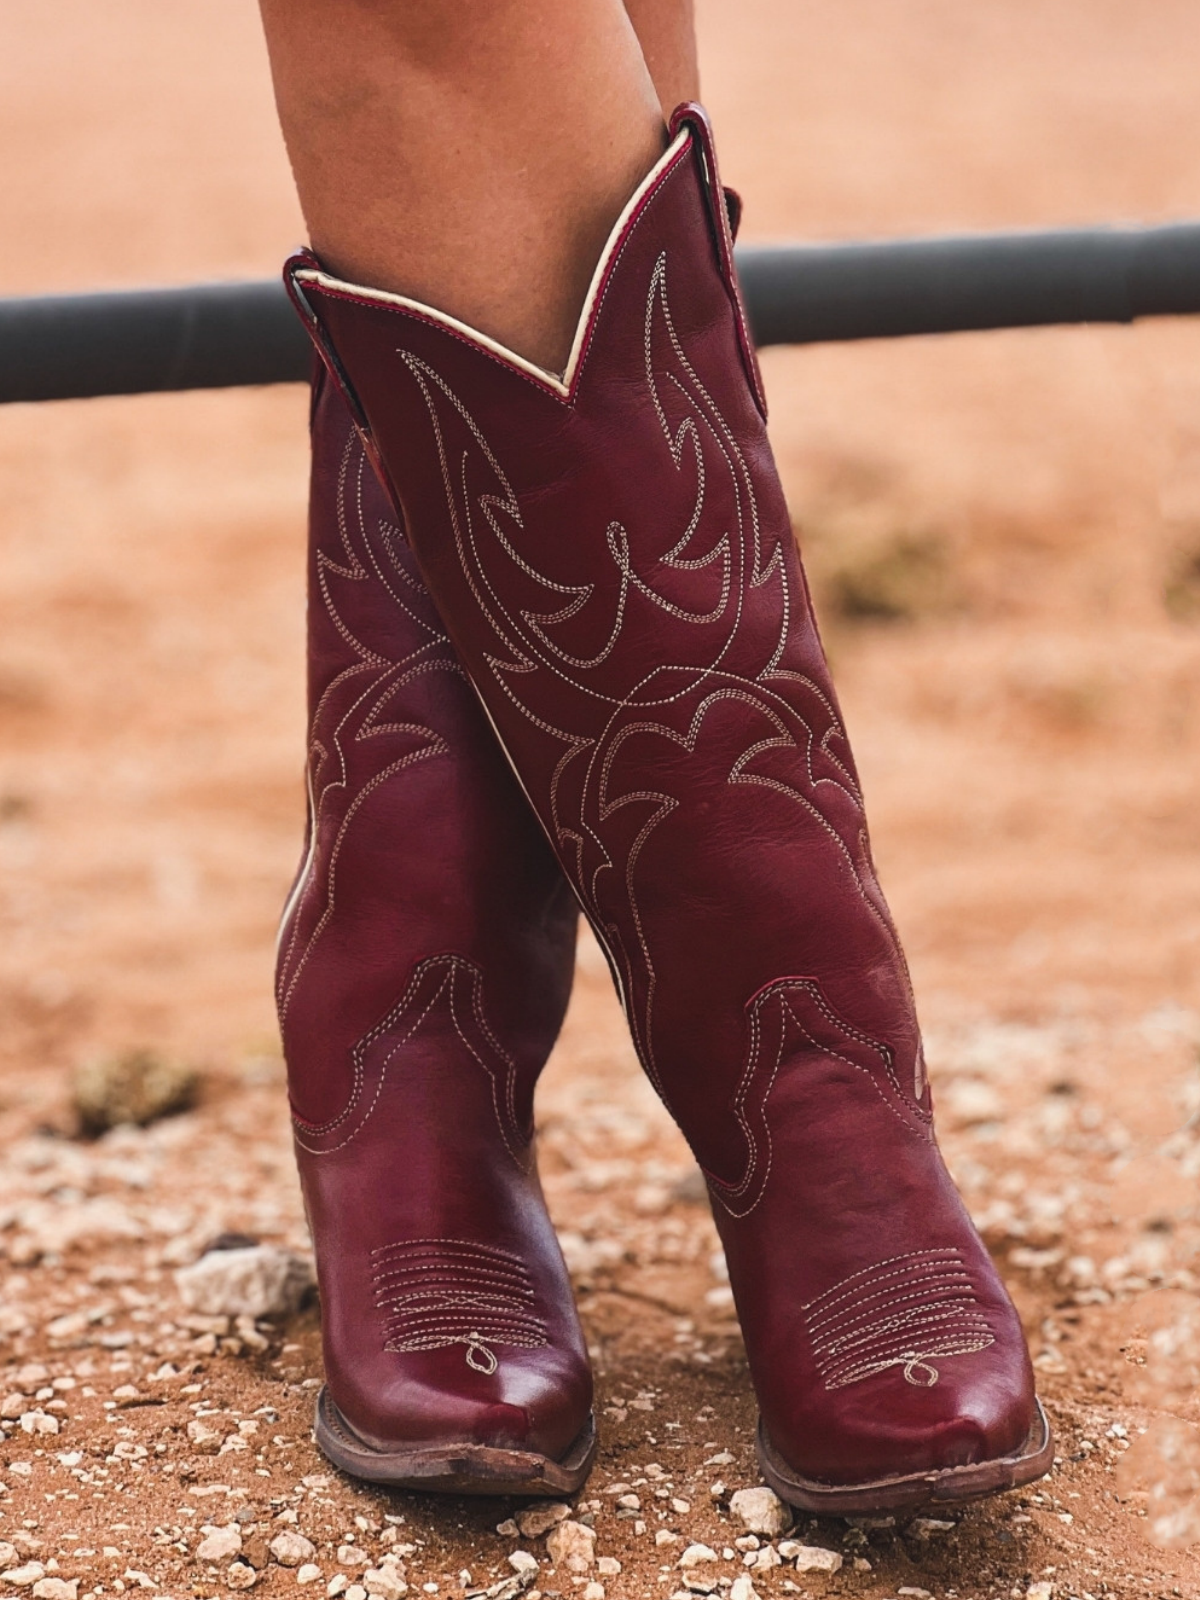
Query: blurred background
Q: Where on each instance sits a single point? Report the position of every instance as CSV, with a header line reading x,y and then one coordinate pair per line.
x,y
1003,532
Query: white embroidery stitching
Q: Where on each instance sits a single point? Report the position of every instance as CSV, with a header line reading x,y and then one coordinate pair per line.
x,y
906,1312
435,1293
360,720
442,977
581,796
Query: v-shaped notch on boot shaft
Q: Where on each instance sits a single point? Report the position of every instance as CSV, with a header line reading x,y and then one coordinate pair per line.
x,y
690,135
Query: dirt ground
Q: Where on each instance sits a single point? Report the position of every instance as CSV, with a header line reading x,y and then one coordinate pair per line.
x,y
1005,535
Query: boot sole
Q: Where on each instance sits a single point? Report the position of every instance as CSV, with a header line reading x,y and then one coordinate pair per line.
x,y
912,1491
454,1468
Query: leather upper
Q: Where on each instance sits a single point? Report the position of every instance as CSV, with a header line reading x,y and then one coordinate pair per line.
x,y
425,961
614,560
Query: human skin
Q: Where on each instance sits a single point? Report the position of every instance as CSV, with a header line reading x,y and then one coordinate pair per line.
x,y
475,156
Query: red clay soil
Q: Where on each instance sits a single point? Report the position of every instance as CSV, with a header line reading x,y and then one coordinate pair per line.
x,y
1005,535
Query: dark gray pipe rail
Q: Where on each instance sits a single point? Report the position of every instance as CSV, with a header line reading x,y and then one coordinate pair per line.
x,y
207,336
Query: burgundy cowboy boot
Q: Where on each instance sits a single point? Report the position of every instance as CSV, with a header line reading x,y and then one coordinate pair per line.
x,y
613,557
425,960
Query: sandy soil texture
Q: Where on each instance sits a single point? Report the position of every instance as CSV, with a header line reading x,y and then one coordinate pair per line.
x,y
1004,532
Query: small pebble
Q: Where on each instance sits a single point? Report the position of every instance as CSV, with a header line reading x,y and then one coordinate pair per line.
x,y
572,1545
385,1582
760,1510
219,1544
536,1520
38,1422
256,1281
815,1558
24,1577
292,1549
308,1573
56,1589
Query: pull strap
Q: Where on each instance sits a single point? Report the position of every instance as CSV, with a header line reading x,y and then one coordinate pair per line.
x,y
695,117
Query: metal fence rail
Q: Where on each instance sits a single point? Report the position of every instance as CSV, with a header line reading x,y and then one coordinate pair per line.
x,y
207,336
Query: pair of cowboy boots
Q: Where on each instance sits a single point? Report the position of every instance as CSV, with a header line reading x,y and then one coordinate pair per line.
x,y
600,565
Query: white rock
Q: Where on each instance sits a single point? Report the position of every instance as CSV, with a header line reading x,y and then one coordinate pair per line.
x,y
38,1422
56,1589
54,1228
338,1584
241,1576
1040,1591
220,1544
696,1554
522,1561
763,1560
385,1581
8,1554
608,1566
507,1529
743,1589
969,1101
356,1592
308,1573
593,1591
537,1519
291,1549
664,1536
258,1281
572,1545
24,1577
760,1511
815,1558
205,1439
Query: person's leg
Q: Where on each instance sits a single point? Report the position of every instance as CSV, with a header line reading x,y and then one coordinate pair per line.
x,y
666,31
471,156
